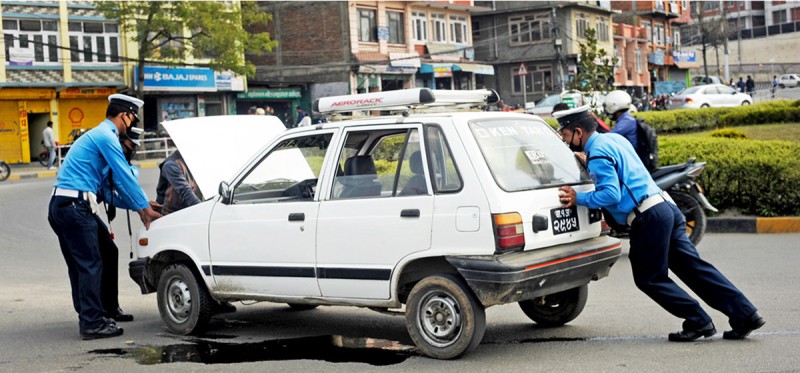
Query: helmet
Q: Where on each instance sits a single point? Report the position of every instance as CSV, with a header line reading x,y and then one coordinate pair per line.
x,y
616,101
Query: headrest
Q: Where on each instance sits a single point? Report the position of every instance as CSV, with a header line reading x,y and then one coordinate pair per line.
x,y
360,165
415,163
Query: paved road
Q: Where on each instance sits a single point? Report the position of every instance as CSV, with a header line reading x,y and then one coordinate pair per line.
x,y
620,329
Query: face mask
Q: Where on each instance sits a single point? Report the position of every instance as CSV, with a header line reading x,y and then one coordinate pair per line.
x,y
573,147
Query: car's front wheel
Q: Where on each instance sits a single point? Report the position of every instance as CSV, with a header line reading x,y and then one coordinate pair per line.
x,y
781,85
556,309
745,102
443,317
703,106
183,300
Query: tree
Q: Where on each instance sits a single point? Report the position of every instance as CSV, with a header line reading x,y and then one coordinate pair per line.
x,y
212,31
595,68
711,30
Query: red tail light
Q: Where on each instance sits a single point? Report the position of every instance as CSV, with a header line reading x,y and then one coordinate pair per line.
x,y
688,100
508,232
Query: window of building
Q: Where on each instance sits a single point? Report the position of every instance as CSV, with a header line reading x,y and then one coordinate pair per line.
x,y
602,29
638,54
93,42
648,31
420,24
35,38
458,29
778,17
439,23
538,80
366,25
676,39
397,30
658,35
581,25
529,28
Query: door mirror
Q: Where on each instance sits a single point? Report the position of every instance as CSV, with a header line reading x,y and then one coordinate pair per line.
x,y
225,192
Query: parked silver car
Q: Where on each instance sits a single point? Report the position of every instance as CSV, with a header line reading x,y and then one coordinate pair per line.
x,y
788,80
710,95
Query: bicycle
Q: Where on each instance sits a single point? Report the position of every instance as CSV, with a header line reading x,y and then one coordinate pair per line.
x,y
5,170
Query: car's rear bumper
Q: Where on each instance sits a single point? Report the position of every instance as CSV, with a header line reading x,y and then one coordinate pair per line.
x,y
136,269
525,275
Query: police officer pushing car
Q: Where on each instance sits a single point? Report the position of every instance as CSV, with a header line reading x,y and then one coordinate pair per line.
x,y
73,210
657,231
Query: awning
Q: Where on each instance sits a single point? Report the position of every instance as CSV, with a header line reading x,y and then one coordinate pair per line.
x,y
687,65
474,68
404,59
384,69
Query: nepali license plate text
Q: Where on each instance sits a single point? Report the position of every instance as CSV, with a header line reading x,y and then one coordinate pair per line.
x,y
564,220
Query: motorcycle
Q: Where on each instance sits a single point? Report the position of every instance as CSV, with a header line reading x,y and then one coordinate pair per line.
x,y
5,170
679,182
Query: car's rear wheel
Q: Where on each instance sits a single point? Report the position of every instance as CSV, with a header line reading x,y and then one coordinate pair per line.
x,y
556,309
745,103
781,85
302,307
703,106
183,300
443,317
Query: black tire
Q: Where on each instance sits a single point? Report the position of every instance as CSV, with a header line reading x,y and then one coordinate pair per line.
x,y
5,171
44,157
183,300
302,307
443,317
693,213
745,103
556,309
703,106
781,85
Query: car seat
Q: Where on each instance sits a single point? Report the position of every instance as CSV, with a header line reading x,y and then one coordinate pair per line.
x,y
416,184
360,178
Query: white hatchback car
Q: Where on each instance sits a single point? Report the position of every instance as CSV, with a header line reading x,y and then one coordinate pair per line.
x,y
788,80
709,95
445,213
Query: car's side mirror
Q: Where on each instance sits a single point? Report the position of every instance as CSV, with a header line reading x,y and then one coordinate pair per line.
x,y
225,192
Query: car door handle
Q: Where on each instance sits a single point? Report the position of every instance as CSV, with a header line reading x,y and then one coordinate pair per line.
x,y
297,216
409,213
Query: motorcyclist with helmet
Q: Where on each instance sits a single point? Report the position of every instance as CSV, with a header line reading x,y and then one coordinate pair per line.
x,y
616,105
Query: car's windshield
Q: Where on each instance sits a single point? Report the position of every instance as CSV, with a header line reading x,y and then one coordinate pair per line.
x,y
526,154
549,101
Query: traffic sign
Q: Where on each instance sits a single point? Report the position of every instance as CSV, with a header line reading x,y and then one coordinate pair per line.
x,y
522,70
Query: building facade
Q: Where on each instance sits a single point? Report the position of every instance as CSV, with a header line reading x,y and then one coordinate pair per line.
x,y
61,61
339,48
541,38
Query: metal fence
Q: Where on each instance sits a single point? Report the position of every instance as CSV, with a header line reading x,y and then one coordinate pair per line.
x,y
152,148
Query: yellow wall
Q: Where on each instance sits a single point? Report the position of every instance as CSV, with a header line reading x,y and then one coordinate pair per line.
x,y
84,113
10,147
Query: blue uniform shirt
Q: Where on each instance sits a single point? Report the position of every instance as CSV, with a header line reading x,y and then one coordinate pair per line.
x,y
626,127
111,195
84,167
610,159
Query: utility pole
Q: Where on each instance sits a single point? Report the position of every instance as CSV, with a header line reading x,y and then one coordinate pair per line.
x,y
557,46
739,37
725,35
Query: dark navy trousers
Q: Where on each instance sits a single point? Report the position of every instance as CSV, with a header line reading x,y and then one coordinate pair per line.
x,y
658,244
86,246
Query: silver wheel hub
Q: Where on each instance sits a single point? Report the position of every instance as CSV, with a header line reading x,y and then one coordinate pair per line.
x,y
440,320
179,300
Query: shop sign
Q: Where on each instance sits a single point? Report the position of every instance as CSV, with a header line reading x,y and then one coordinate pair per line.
x,y
270,94
228,81
442,70
656,57
157,78
86,92
684,56
404,59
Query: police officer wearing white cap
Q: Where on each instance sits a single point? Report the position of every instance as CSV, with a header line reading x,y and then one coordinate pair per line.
x,y
624,188
72,211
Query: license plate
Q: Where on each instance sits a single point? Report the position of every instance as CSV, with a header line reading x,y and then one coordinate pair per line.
x,y
677,102
564,220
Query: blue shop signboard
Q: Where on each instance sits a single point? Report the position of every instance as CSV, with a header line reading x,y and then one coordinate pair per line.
x,y
684,56
159,78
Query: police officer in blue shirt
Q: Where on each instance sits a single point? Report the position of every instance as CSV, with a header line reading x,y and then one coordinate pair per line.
x,y
73,211
658,240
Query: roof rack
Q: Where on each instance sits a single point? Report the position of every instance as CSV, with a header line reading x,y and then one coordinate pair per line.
x,y
404,100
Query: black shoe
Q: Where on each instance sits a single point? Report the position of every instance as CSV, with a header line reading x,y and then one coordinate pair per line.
x,y
743,328
692,334
223,307
105,330
120,315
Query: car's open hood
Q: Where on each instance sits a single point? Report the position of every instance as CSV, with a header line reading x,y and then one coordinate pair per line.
x,y
216,147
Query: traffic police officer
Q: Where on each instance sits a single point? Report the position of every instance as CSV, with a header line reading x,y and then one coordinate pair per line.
x,y
72,210
658,240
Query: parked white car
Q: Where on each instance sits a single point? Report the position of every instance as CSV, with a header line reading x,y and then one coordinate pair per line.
x,y
544,108
709,95
703,80
445,213
788,80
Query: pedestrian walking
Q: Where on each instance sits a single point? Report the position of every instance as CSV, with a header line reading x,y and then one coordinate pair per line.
x,y
658,241
73,211
775,84
300,115
49,142
750,85
740,85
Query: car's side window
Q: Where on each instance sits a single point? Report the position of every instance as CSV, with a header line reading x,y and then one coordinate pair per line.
x,y
288,173
380,163
444,170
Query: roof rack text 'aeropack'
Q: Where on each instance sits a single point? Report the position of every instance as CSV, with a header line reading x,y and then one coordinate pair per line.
x,y
403,100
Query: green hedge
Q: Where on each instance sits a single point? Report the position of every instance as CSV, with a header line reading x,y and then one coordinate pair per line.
x,y
756,177
687,120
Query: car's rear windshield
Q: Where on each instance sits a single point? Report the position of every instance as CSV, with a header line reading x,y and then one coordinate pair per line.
x,y
526,154
689,90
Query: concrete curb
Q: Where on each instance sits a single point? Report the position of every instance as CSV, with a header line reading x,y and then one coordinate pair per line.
x,y
790,224
16,174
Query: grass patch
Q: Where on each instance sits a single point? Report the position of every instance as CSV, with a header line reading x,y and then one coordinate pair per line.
x,y
780,131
